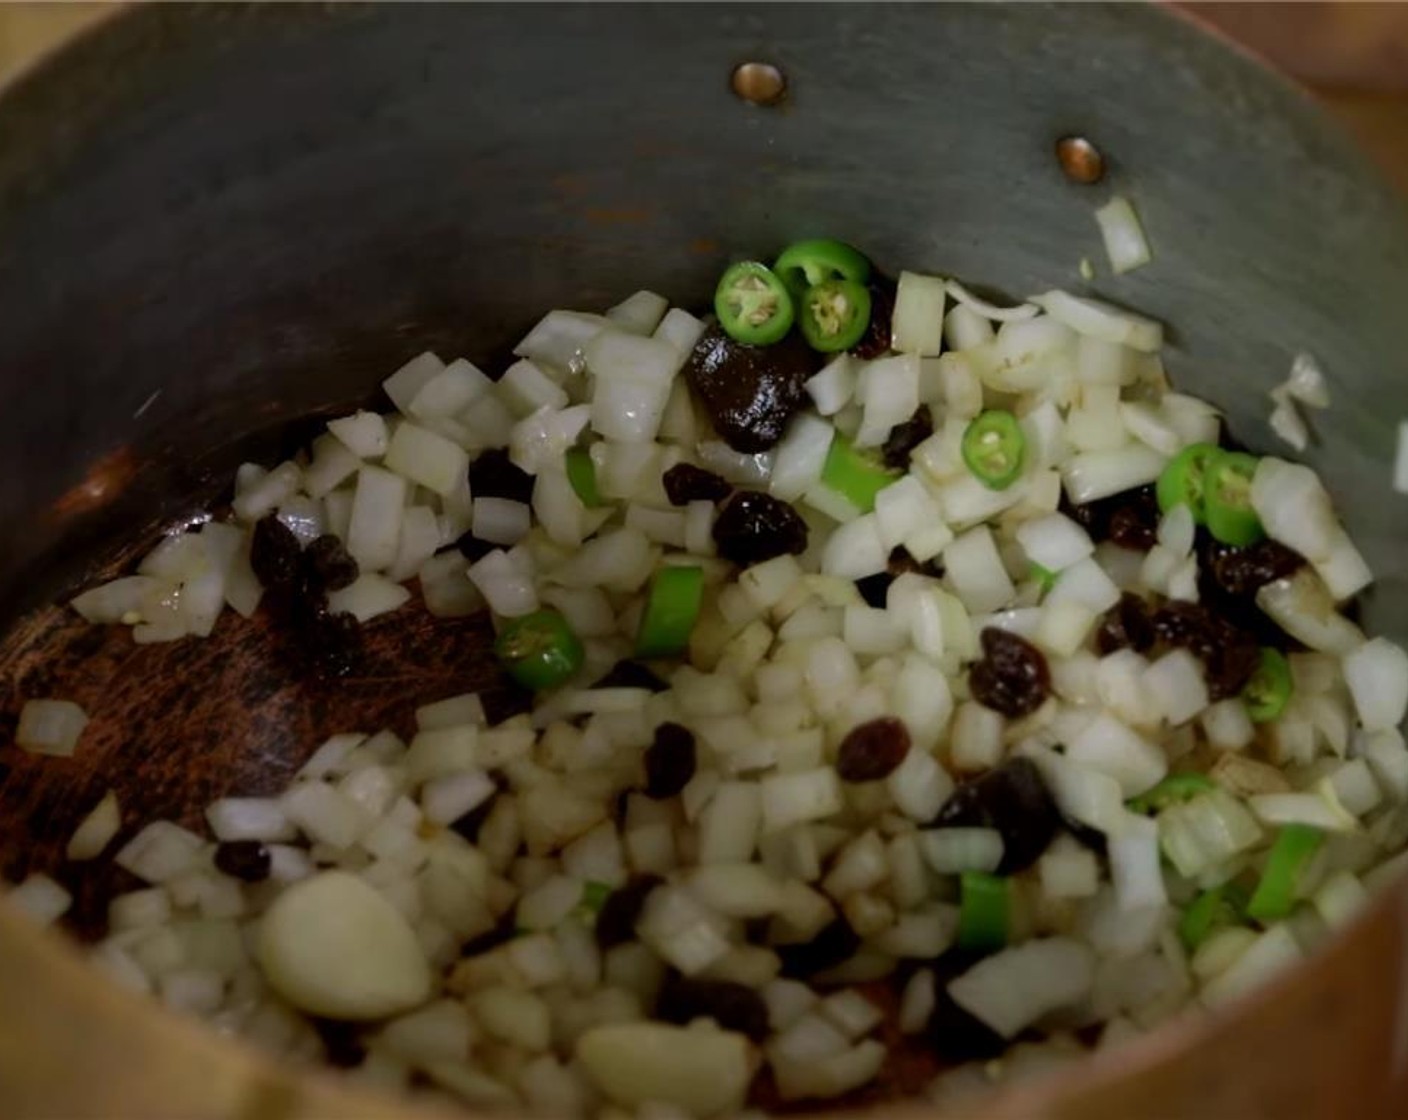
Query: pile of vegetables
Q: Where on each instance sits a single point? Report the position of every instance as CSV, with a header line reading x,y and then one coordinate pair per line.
x,y
934,645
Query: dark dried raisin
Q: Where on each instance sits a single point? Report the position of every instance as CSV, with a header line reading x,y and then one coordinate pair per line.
x,y
958,1036
616,922
669,761
246,860
875,589
685,483
1012,677
753,527
274,554
750,392
876,340
904,438
341,1042
631,674
872,750
328,566
1245,571
1129,519
1229,655
835,944
493,475
1014,800
1127,625
735,1007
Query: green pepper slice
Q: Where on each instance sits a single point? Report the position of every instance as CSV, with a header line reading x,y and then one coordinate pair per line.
x,y
1275,894
1269,691
805,264
835,315
594,896
581,473
754,307
671,609
1173,790
1044,578
994,447
1181,481
856,475
1227,494
539,650
1210,911
984,911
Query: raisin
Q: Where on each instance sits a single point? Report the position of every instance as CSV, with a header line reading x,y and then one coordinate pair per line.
x,y
872,750
875,589
835,944
957,1036
876,340
1014,800
1129,519
754,527
340,1040
750,392
1229,654
735,1007
904,438
1245,571
631,674
616,922
472,548
274,554
246,860
493,475
685,483
669,761
1012,677
1126,625
328,566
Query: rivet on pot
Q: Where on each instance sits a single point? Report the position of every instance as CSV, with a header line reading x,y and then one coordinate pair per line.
x,y
758,83
1080,160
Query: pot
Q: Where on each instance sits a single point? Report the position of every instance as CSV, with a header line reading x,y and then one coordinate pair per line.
x,y
215,221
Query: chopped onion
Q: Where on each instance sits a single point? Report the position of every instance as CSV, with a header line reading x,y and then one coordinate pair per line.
x,y
1098,474
888,390
832,388
250,818
374,532
1313,809
96,830
367,597
1101,320
1377,675
508,590
1014,988
50,727
1109,747
855,550
1268,954
161,851
1293,507
987,310
950,851
1306,382
559,339
974,568
1054,541
1176,680
917,324
40,899
363,433
1286,422
1134,863
1124,238
800,457
701,1071
1302,607
1400,461
965,328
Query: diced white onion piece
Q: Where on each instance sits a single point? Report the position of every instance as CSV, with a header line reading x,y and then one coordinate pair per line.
x,y
700,1071
249,818
917,325
332,945
1176,681
855,550
1268,954
1387,756
161,851
424,457
1313,809
1339,899
682,930
950,851
1124,238
51,727
1293,507
525,388
500,521
1085,795
800,456
559,338
1054,541
446,587
363,433
1286,422
965,328
270,492
919,786
1148,425
1377,675
333,463
832,388
450,796
39,899
1306,381
96,830
1344,571
736,890
1206,831
403,385
374,533
1103,321
440,1031
1227,725
1086,583
1098,474
1400,460
368,596
1302,607
1134,863
798,798
888,390
1014,988
1108,746
639,313
117,600
988,310
1104,363
507,589
1068,869
1064,626
975,571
